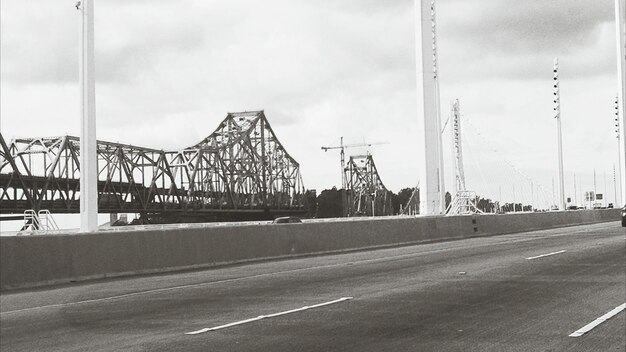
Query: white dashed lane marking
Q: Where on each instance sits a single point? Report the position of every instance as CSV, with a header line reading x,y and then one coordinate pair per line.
x,y
545,255
585,329
260,317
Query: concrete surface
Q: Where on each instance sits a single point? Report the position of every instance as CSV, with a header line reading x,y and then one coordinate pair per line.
x,y
30,261
479,294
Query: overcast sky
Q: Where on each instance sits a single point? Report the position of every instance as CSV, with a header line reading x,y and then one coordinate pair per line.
x,y
169,71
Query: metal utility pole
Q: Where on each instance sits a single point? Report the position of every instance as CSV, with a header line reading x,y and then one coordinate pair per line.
x,y
620,29
557,116
430,161
88,145
342,147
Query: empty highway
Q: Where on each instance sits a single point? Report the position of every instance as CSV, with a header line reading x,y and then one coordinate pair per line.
x,y
521,292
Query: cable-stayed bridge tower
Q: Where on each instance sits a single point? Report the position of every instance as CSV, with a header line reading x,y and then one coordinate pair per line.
x,y
430,159
88,144
457,148
463,201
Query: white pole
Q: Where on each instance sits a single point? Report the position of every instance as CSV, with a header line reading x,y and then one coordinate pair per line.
x,y
620,29
553,195
557,116
575,192
615,202
455,166
619,163
605,194
595,191
514,198
432,196
532,197
88,154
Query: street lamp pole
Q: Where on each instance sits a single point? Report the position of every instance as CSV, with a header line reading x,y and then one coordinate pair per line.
x,y
557,116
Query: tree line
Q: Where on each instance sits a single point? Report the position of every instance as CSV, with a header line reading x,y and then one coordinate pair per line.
x,y
331,203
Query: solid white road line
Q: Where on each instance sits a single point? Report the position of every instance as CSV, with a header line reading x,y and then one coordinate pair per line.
x,y
602,319
545,255
266,316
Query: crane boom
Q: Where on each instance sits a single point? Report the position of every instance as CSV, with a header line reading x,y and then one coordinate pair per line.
x,y
345,146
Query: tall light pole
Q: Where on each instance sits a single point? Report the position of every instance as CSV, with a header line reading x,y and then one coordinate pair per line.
x,y
618,191
615,187
532,197
430,161
575,192
620,31
557,116
88,145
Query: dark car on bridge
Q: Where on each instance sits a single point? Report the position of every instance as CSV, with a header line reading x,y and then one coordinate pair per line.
x,y
624,216
287,220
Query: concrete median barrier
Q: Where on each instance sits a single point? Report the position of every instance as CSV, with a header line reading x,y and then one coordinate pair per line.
x,y
30,261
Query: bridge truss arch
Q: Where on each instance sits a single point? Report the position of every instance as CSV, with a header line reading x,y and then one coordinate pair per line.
x,y
366,193
239,172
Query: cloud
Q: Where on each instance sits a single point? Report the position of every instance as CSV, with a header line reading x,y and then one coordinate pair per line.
x,y
129,40
515,27
169,71
516,39
43,48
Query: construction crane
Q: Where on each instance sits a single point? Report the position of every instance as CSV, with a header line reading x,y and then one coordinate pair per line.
x,y
342,148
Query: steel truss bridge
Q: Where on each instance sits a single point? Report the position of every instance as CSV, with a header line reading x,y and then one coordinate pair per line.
x,y
240,172
366,193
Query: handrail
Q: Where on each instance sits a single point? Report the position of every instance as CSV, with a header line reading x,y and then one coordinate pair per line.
x,y
47,221
31,221
41,221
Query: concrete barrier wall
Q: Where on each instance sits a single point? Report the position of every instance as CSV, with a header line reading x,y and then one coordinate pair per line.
x,y
29,261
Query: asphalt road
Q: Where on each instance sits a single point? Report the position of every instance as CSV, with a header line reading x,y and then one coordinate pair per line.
x,y
481,294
